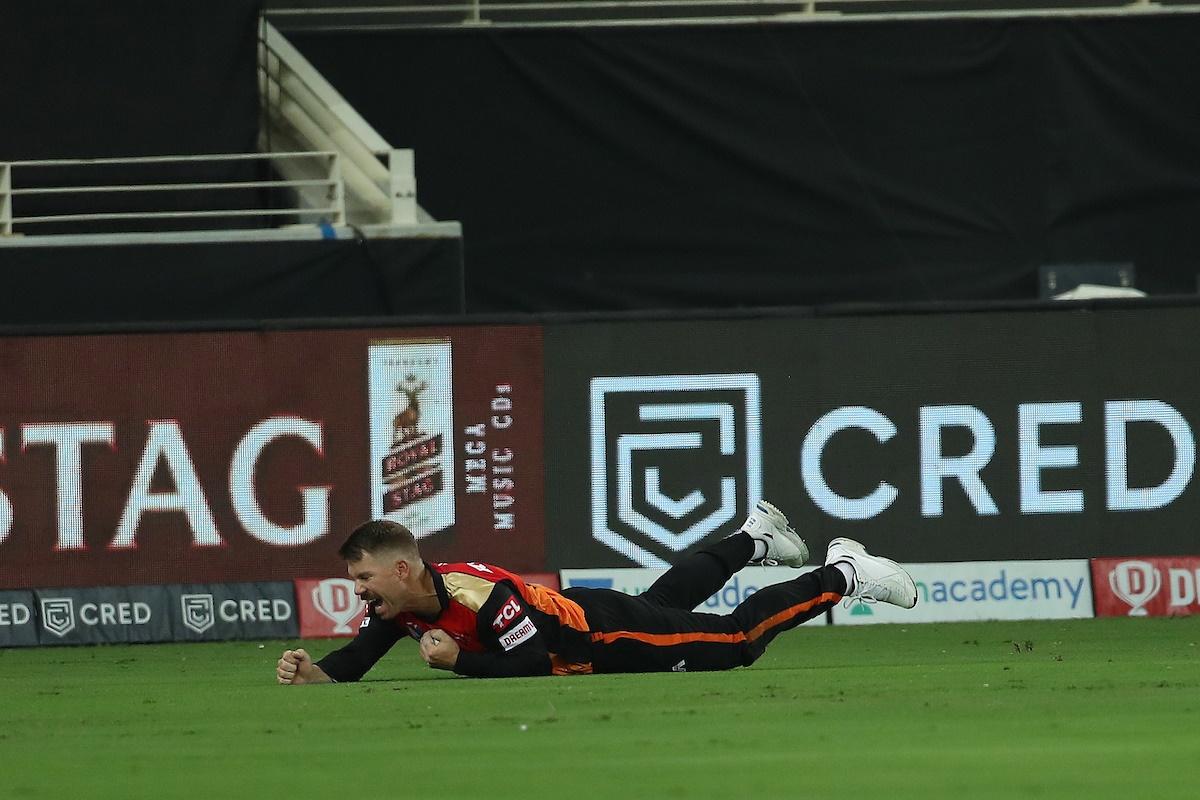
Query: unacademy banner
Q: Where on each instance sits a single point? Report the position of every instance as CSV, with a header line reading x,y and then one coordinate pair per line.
x,y
985,590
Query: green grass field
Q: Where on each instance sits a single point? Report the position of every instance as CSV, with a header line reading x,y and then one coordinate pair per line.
x,y
1086,708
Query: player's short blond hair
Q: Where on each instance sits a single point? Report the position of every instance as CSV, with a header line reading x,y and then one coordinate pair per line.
x,y
379,536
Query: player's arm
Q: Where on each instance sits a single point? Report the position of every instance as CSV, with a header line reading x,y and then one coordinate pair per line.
x,y
514,645
375,637
296,667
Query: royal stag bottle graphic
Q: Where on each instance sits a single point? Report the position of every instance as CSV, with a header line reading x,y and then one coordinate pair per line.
x,y
411,398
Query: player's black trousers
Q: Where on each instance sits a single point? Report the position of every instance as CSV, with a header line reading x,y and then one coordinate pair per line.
x,y
657,630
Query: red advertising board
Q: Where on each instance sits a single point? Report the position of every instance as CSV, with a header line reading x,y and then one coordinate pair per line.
x,y
1138,587
240,456
329,608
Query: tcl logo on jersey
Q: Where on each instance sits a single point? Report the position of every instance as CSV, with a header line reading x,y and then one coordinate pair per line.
x,y
518,634
508,612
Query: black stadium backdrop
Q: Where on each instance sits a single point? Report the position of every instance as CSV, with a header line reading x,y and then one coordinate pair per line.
x,y
238,280
639,167
685,166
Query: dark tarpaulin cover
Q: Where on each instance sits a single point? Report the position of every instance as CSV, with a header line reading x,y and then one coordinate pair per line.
x,y
239,280
136,78
768,164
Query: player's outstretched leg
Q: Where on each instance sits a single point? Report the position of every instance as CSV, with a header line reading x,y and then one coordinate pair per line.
x,y
777,542
765,534
782,606
850,572
875,579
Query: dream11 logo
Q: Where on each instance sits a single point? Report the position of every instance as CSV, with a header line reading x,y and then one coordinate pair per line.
x,y
1135,583
676,459
1152,586
336,600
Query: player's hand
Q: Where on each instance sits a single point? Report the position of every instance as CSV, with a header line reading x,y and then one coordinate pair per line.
x,y
295,667
439,649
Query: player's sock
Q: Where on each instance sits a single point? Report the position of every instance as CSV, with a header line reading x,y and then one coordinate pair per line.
x,y
847,571
760,547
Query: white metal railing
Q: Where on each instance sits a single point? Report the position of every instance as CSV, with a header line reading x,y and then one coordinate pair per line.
x,y
413,13
303,111
483,11
108,180
6,227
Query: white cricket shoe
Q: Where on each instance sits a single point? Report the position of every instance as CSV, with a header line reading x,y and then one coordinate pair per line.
x,y
876,579
767,523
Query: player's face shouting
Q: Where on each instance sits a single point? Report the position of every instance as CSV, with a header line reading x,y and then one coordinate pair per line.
x,y
381,582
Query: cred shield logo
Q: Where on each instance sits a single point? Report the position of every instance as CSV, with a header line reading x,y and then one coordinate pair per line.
x,y
675,460
58,615
1136,583
198,611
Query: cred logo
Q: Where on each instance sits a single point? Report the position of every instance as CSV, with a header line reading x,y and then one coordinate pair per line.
x,y
198,611
59,618
675,460
508,612
58,615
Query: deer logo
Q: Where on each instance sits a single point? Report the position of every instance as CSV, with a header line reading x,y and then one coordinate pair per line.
x,y
404,426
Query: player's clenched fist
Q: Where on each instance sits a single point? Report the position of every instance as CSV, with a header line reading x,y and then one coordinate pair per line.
x,y
439,650
294,667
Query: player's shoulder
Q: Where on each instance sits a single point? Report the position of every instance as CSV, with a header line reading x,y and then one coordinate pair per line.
x,y
475,569
473,584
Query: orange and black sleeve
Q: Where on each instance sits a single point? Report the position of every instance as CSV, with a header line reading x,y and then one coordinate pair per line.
x,y
514,646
